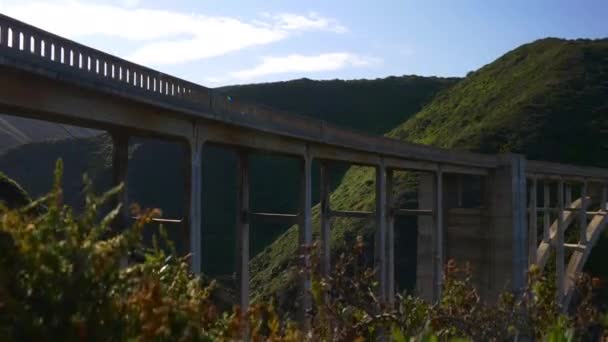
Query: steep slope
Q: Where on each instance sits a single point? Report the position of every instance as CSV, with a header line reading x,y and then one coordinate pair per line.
x,y
156,169
547,99
373,106
15,131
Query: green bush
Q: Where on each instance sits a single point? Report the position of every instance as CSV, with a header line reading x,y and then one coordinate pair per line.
x,y
67,277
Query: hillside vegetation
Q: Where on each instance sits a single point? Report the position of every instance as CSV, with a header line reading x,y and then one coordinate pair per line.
x,y
547,99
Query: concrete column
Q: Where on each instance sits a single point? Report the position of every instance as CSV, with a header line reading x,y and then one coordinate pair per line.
x,y
390,238
546,214
380,235
194,181
507,218
325,219
242,229
532,238
559,244
439,240
305,236
120,162
583,214
425,245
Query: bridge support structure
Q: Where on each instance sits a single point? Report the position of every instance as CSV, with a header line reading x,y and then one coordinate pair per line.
x,y
194,185
491,238
120,166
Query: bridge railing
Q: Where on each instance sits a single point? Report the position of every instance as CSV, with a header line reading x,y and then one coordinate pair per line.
x,y
56,53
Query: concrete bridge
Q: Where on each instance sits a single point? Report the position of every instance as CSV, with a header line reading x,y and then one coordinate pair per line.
x,y
44,76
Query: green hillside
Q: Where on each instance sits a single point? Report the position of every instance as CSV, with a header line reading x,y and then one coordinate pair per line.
x,y
157,169
547,99
373,106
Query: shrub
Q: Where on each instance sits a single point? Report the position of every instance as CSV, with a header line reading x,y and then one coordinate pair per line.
x,y
71,277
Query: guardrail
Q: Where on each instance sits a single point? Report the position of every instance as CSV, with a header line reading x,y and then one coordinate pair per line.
x,y
30,43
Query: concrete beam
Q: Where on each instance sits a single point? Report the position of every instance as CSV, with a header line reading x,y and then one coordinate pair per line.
x,y
70,104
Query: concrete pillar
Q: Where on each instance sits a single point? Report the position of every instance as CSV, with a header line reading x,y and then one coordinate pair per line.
x,y
546,213
242,230
506,210
583,215
559,244
533,232
425,265
305,236
380,235
439,261
120,162
390,238
325,219
194,181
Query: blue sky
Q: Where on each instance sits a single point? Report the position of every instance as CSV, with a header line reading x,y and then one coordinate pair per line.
x,y
227,42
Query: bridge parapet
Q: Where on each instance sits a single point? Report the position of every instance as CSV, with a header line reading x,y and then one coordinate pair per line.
x,y
70,61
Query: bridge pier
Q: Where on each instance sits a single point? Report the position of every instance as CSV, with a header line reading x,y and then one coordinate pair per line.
x,y
380,250
430,244
242,229
492,238
194,180
325,218
120,163
507,220
305,237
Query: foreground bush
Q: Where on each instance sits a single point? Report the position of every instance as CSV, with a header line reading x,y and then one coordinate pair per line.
x,y
67,277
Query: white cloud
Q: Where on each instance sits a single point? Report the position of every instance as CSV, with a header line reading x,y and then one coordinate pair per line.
x,y
304,64
312,21
162,36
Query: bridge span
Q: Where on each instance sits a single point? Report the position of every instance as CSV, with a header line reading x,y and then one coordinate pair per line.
x,y
47,77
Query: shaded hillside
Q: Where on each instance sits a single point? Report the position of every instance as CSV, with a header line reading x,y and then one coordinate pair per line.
x,y
156,171
547,99
373,106
16,131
